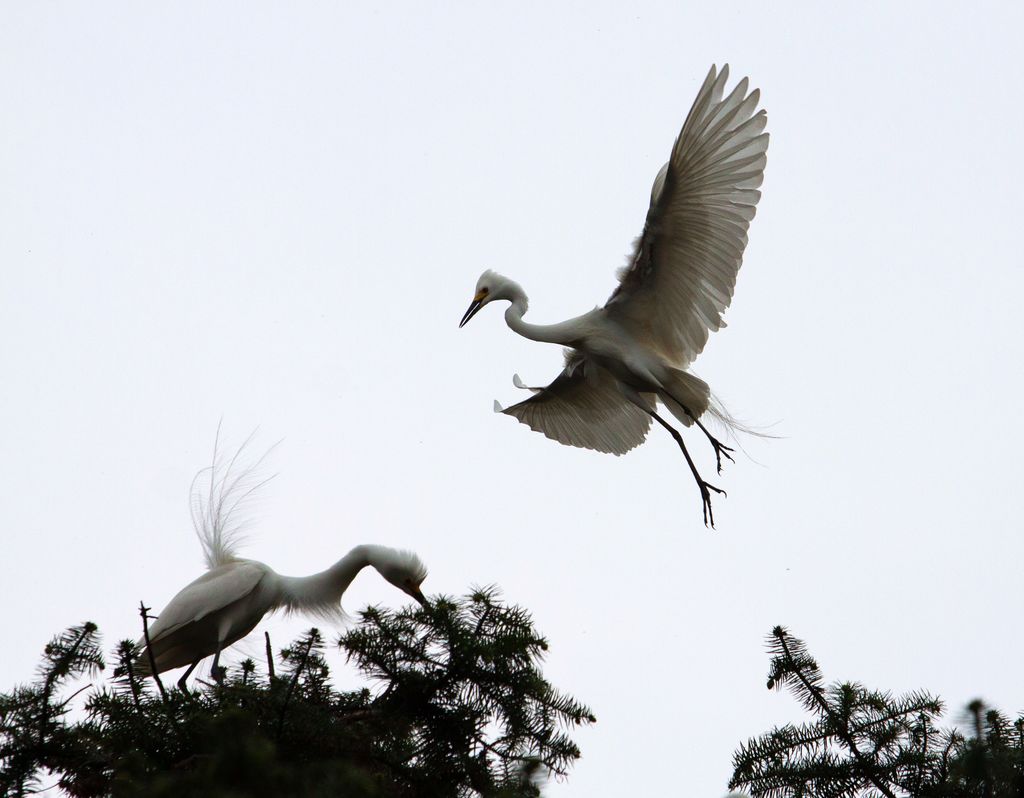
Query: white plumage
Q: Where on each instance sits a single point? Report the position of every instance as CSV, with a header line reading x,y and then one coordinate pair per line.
x,y
224,604
633,352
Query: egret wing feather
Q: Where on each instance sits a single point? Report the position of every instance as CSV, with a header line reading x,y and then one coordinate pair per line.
x,y
583,407
683,271
214,590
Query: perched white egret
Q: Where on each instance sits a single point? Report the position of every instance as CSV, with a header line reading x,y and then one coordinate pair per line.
x,y
224,604
625,356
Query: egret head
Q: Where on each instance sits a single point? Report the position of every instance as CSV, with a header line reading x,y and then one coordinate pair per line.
x,y
489,287
405,571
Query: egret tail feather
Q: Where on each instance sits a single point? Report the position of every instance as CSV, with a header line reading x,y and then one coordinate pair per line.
x,y
730,423
219,495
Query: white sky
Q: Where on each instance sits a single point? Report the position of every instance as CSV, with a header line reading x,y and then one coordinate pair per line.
x,y
277,213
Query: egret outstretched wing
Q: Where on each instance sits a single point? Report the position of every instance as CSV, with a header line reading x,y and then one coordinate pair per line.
x,y
683,271
583,407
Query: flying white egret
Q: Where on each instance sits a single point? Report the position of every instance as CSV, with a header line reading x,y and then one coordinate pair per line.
x,y
625,356
224,604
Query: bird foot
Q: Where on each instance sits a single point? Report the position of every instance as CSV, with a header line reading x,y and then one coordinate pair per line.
x,y
705,494
721,450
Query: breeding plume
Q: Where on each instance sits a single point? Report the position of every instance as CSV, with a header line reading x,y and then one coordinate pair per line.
x,y
224,604
626,356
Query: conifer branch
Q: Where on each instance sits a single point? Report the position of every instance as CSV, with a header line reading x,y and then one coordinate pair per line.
x,y
126,658
894,736
144,614
311,639
270,657
841,722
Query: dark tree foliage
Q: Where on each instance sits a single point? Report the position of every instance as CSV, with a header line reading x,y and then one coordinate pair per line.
x,y
868,743
456,706
32,717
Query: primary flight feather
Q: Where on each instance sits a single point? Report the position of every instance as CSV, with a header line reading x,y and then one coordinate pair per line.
x,y
626,356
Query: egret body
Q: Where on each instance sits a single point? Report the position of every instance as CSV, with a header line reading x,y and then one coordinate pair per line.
x,y
224,604
625,357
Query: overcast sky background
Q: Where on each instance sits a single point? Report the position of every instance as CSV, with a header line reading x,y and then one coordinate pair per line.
x,y
277,213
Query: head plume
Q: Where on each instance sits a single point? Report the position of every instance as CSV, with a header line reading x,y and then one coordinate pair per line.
x,y
491,286
401,563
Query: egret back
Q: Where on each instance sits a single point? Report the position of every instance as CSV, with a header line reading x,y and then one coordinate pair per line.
x,y
221,606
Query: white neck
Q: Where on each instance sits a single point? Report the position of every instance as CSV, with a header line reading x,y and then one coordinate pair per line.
x,y
548,333
321,593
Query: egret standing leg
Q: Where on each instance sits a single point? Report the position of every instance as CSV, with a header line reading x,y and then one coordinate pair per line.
x,y
705,487
218,677
181,681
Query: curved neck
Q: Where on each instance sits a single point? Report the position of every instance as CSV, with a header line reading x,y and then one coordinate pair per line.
x,y
321,593
548,333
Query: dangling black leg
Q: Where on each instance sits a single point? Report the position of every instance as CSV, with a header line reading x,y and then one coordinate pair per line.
x,y
184,678
721,450
705,487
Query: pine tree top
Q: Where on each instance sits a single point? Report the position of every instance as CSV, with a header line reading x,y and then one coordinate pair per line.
x,y
455,704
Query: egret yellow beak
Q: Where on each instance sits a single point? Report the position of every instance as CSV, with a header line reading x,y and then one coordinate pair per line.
x,y
474,306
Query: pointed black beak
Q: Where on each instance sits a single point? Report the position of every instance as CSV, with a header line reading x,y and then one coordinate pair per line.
x,y
418,595
474,306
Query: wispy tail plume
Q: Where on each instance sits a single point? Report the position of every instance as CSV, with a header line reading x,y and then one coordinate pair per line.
x,y
218,494
729,422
